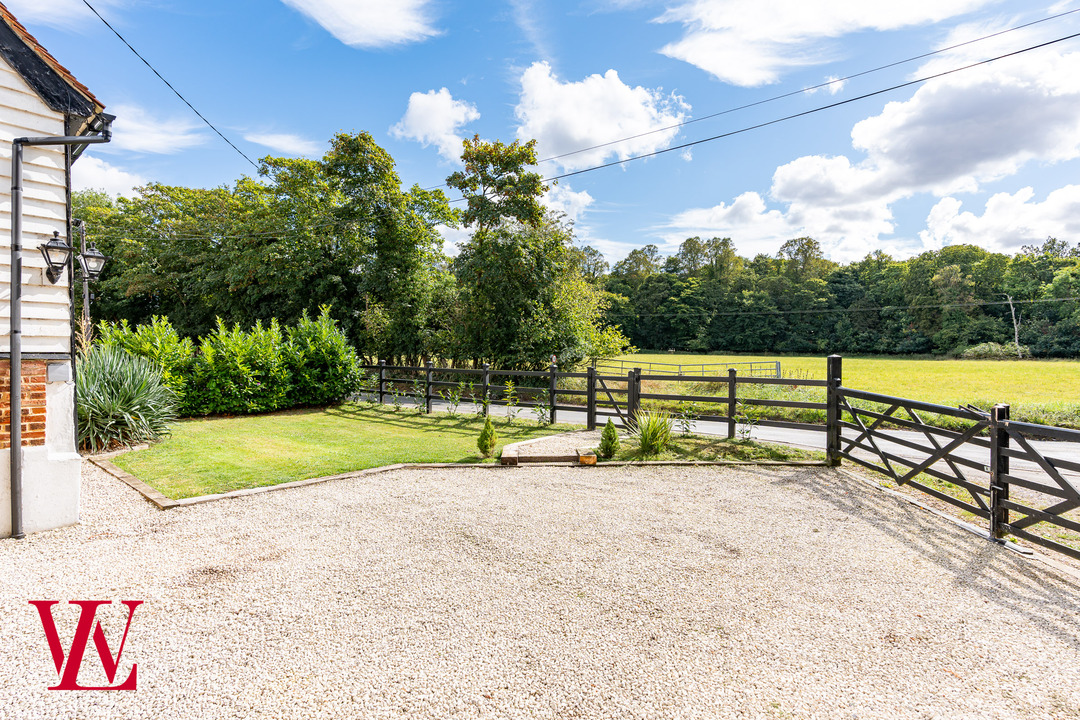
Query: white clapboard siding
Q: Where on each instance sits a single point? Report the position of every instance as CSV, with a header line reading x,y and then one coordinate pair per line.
x,y
45,310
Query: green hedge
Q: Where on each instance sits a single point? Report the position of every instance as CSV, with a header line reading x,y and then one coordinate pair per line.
x,y
239,372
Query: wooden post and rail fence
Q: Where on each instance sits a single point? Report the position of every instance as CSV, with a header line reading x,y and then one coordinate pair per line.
x,y
977,460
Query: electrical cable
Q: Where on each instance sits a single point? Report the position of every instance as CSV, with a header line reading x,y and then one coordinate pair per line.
x,y
945,306
169,85
758,126
809,89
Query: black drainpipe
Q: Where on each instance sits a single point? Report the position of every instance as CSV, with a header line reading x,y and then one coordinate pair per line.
x,y
15,334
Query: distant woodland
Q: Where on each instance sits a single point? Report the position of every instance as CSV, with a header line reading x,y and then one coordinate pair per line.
x,y
706,297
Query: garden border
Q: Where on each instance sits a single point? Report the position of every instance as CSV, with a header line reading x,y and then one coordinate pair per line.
x,y
162,502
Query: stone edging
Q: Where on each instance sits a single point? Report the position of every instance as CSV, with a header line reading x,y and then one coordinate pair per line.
x,y
583,457
165,503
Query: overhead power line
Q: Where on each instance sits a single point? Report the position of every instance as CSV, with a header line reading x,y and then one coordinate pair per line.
x,y
800,91
832,311
809,89
169,85
758,126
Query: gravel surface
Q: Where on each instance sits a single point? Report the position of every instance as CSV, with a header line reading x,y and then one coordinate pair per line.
x,y
553,592
562,444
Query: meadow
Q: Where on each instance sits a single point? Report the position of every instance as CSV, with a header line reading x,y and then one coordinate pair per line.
x,y
1040,391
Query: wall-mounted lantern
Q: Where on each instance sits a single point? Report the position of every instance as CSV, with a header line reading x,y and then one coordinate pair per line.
x,y
56,253
92,261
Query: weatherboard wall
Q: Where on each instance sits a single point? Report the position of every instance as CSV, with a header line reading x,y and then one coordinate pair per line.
x,y
51,467
46,314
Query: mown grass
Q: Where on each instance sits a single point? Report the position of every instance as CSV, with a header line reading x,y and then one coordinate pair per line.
x,y
1046,392
215,455
712,448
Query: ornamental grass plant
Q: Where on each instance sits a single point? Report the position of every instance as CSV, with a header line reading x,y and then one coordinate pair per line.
x,y
652,430
122,399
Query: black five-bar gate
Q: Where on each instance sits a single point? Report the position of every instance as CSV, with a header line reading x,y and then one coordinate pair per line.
x,y
1000,475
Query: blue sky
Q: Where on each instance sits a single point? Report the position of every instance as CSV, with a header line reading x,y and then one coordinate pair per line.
x,y
988,156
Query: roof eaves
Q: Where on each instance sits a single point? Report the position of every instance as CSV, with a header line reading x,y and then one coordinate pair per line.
x,y
44,73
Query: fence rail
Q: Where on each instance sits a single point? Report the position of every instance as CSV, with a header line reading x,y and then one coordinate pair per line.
x,y
990,468
984,463
762,368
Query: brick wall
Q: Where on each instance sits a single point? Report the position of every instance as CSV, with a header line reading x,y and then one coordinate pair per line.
x,y
33,403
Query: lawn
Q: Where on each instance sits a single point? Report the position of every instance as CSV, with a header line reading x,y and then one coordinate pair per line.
x,y
215,455
711,448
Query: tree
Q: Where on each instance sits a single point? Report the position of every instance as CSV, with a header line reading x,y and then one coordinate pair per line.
x,y
496,185
523,299
592,263
339,231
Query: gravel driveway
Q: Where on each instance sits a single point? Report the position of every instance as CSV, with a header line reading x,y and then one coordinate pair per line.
x,y
545,592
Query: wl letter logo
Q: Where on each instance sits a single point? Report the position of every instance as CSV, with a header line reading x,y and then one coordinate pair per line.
x,y
69,671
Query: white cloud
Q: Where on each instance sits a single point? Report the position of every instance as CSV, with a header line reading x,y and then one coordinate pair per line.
x,y
91,173
752,42
434,118
569,116
832,85
526,15
747,220
285,143
135,130
952,136
1008,221
65,14
563,199
453,238
371,24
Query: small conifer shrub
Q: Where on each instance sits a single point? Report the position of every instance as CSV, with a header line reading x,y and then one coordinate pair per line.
x,y
488,438
609,440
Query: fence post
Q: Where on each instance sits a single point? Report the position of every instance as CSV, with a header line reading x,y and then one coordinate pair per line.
x,y
382,381
778,375
731,403
427,386
834,378
486,397
999,467
590,389
552,390
633,391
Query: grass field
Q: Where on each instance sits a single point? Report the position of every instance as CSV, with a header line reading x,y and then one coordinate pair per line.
x,y
946,382
215,455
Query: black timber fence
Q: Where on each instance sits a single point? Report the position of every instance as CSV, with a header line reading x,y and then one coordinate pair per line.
x,y
979,461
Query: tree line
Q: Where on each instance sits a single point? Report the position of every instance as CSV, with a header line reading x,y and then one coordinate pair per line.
x,y
342,232
706,297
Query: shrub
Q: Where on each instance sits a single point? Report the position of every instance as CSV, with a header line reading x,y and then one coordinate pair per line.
x,y
609,440
122,399
688,413
247,371
157,341
652,430
239,372
323,368
995,351
488,438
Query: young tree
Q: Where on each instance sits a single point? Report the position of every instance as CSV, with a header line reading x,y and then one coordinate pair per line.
x,y
497,186
523,299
